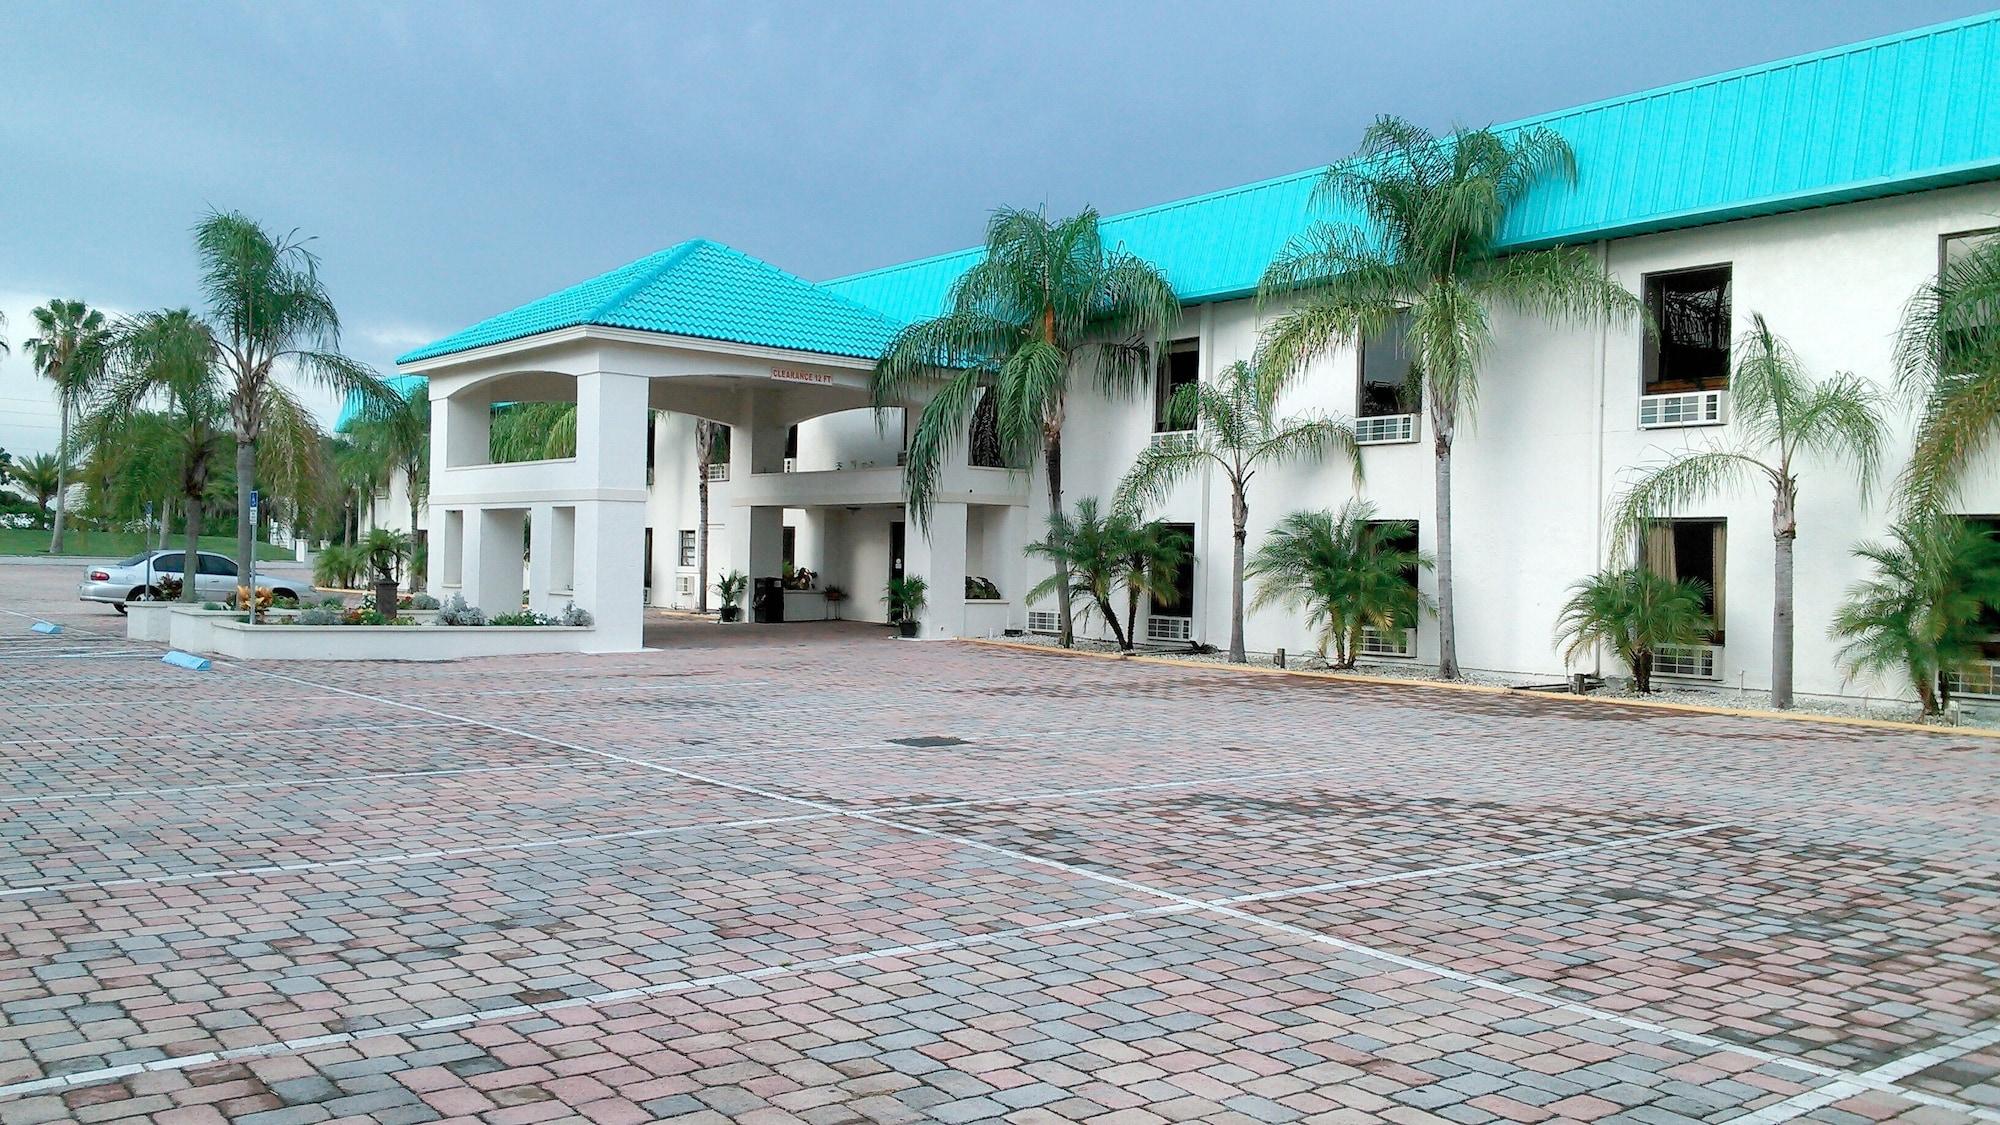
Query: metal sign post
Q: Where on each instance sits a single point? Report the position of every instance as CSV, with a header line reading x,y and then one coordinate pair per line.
x,y
250,565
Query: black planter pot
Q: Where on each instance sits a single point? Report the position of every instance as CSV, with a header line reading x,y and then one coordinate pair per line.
x,y
385,599
731,612
908,627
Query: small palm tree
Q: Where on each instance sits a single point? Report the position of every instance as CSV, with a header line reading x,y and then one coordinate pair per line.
x,y
1427,253
1238,429
1920,615
1096,553
166,358
42,476
1154,554
269,312
1783,416
68,350
1044,295
1635,612
1948,357
1344,572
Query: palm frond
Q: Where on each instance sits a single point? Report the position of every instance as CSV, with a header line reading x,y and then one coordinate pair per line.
x,y
1682,481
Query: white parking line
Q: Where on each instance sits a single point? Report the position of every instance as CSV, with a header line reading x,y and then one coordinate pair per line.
x,y
169,701
294,783
183,878
1895,1070
1706,1042
226,735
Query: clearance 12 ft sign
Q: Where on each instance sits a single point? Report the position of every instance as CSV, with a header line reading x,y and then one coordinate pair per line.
x,y
794,375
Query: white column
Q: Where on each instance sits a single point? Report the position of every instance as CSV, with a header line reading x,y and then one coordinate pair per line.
x,y
937,554
447,552
461,429
493,559
610,539
541,556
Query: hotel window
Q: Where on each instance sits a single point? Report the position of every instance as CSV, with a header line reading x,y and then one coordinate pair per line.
x,y
1691,549
1953,250
789,553
652,434
1182,603
687,547
1179,366
1385,372
1395,535
1688,350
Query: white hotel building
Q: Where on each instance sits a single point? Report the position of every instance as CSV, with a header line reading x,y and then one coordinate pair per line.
x,y
1820,191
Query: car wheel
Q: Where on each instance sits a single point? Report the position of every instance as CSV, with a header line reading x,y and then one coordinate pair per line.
x,y
276,594
120,607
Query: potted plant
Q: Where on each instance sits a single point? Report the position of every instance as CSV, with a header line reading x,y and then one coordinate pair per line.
x,y
834,595
906,597
730,588
386,550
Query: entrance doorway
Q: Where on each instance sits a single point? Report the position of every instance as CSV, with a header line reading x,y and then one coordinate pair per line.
x,y
895,550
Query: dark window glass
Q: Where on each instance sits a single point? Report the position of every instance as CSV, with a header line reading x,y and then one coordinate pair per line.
x,y
135,560
648,571
1385,372
687,547
792,442
1691,549
985,449
1179,366
652,432
790,554
216,565
171,564
1689,349
1183,603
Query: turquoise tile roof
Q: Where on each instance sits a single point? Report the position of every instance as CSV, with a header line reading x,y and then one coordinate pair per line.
x,y
1902,113
1905,112
698,288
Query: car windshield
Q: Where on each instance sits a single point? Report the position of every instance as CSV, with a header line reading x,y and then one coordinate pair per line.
x,y
135,560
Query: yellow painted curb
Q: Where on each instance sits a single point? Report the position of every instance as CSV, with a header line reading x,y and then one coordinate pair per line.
x,y
1494,689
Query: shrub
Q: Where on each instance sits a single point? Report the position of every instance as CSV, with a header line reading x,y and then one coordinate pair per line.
x,y
332,601
1635,612
423,601
318,615
363,615
213,605
456,612
1345,571
338,566
524,617
169,588
1919,614
575,617
285,602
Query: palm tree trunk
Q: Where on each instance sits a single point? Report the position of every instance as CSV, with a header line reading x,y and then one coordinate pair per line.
x,y
62,482
1239,513
1785,528
246,482
1131,614
1111,618
701,541
188,560
1052,457
1446,611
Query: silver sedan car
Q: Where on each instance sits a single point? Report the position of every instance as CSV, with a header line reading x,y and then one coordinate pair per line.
x,y
216,578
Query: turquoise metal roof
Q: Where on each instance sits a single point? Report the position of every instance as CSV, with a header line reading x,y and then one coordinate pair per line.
x,y
698,288
350,410
1902,113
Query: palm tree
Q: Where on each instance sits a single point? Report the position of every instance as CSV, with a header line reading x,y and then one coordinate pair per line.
x,y
1344,571
1635,611
1783,415
1922,613
68,350
1426,253
533,431
1154,553
1238,429
709,438
398,434
1044,295
269,311
1948,357
1096,553
167,358
42,476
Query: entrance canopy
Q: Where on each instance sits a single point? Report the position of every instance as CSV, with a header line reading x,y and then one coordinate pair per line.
x,y
699,329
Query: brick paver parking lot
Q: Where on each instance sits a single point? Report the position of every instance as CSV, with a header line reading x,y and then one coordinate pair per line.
x,y
813,874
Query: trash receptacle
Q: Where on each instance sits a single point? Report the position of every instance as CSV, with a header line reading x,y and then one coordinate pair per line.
x,y
767,603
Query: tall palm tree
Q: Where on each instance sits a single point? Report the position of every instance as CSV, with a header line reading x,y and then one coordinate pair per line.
x,y
269,312
1783,416
1425,250
1237,429
41,475
1045,295
68,350
1920,613
1948,357
164,358
1344,571
398,434
709,439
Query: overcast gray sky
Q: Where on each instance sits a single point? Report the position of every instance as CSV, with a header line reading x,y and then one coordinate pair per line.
x,y
454,160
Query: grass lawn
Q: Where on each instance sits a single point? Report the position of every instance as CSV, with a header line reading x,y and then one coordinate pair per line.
x,y
116,544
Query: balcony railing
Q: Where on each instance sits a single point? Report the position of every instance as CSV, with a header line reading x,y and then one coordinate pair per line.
x,y
1981,677
1174,439
1169,629
1689,662
1388,642
1689,408
1385,429
718,472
